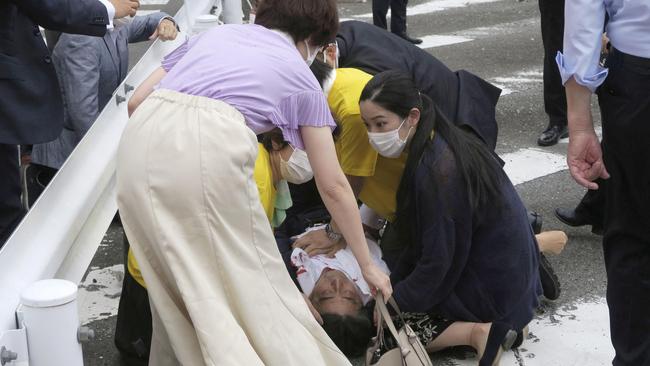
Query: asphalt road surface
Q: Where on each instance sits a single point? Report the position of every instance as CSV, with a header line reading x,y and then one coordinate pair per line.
x,y
500,41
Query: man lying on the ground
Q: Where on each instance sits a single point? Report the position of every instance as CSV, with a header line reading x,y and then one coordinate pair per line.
x,y
340,299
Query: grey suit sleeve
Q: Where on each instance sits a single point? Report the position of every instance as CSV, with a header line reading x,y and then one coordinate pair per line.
x,y
142,27
78,70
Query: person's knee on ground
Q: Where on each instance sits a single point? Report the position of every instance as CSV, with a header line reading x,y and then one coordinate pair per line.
x,y
461,334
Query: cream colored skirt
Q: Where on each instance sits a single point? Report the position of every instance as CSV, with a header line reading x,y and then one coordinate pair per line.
x,y
219,291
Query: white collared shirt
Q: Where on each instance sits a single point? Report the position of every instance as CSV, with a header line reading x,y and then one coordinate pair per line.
x,y
628,30
309,269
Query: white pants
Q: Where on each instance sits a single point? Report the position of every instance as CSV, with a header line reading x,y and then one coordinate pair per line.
x,y
219,291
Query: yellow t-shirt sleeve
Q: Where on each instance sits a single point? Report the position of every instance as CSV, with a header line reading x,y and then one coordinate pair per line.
x,y
134,269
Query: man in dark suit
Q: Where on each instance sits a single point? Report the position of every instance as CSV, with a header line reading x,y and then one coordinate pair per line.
x,y
31,110
462,96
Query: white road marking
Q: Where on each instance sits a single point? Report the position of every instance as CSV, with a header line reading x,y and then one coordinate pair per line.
x,y
478,33
519,81
576,334
441,40
99,294
500,28
434,6
440,5
527,164
504,89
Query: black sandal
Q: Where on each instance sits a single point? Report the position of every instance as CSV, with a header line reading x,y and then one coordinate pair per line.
x,y
500,338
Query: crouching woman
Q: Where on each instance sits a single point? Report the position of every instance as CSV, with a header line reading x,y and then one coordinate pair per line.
x,y
469,255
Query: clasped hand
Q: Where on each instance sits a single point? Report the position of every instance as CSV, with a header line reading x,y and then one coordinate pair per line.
x,y
316,242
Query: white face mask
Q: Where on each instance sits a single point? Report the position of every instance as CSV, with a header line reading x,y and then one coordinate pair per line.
x,y
388,144
311,56
297,170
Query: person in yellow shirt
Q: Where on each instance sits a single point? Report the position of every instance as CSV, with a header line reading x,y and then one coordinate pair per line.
x,y
374,178
277,163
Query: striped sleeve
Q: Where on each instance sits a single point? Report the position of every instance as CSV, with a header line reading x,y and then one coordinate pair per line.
x,y
308,108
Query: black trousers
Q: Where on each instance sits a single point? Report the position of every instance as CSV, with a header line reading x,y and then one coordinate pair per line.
x,y
133,329
552,19
625,107
397,17
11,210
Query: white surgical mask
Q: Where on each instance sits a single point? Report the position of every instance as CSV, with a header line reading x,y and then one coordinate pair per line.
x,y
297,170
388,144
310,56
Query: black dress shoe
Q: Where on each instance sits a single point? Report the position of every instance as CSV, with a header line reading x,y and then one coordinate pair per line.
x,y
570,218
550,282
552,135
408,38
535,221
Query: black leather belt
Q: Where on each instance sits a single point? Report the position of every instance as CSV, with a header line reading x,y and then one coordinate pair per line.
x,y
631,59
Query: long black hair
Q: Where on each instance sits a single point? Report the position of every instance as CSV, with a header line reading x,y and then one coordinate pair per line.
x,y
396,92
350,333
321,71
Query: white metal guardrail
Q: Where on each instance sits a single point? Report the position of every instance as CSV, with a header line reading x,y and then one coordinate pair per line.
x,y
60,235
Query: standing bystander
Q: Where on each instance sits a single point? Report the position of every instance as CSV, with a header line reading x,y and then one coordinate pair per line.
x,y
89,70
623,89
552,19
397,17
31,110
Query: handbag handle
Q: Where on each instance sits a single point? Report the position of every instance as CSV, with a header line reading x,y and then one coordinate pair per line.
x,y
385,317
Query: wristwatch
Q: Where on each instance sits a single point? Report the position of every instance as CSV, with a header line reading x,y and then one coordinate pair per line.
x,y
332,235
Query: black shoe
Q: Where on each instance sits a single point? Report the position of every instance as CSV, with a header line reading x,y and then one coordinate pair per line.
x,y
408,38
535,221
501,337
552,135
521,337
570,218
550,282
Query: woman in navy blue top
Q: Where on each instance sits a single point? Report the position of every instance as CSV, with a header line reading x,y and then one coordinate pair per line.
x,y
470,255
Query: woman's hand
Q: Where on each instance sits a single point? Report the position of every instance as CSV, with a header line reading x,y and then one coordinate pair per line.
x,y
316,242
377,280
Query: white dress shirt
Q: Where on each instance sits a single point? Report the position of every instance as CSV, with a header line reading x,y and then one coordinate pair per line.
x,y
309,269
628,30
110,9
